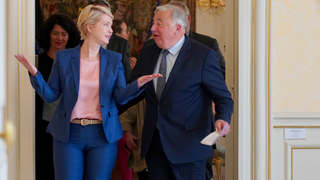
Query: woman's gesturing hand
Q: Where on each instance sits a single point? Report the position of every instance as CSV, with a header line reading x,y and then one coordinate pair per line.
x,y
144,79
27,64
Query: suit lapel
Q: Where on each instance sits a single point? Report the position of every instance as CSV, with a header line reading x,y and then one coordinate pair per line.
x,y
181,59
75,66
151,64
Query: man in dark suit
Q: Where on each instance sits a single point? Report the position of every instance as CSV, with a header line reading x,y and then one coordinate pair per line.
x,y
178,105
206,40
214,45
117,43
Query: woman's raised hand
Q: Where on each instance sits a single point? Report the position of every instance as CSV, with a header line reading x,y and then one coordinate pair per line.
x,y
144,79
27,64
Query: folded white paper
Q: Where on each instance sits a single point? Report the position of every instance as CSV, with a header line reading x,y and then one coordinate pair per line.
x,y
211,139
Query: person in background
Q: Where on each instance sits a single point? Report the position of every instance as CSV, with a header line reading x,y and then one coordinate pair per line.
x,y
85,125
117,43
132,123
120,28
58,32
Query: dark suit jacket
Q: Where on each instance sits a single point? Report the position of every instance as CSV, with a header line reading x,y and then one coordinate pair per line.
x,y
211,43
121,45
206,40
65,78
184,112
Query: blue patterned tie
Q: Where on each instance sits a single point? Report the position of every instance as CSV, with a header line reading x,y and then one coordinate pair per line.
x,y
161,82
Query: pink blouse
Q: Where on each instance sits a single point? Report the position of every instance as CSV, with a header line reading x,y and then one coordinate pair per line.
x,y
88,105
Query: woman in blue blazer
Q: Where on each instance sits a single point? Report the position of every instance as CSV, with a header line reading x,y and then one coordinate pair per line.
x,y
85,126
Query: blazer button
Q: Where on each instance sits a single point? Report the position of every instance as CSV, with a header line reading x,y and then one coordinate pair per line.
x,y
102,106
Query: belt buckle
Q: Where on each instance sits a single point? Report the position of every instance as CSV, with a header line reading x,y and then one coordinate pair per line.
x,y
85,122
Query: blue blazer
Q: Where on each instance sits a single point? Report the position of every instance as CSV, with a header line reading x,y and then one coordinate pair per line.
x,y
64,80
184,112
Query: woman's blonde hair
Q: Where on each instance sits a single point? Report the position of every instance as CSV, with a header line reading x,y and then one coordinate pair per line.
x,y
91,15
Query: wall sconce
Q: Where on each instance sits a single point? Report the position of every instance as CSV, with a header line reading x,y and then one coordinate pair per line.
x,y
213,6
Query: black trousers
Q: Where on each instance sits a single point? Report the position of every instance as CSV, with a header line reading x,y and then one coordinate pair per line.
x,y
160,168
44,152
143,175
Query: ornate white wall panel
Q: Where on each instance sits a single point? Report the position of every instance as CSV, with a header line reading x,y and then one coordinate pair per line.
x,y
305,163
302,160
292,158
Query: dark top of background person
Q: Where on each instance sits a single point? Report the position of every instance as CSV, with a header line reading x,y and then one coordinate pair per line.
x,y
43,36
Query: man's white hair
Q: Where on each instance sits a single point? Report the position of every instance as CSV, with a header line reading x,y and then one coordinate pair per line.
x,y
177,15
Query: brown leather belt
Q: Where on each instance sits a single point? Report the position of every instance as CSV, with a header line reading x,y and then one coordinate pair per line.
x,y
85,122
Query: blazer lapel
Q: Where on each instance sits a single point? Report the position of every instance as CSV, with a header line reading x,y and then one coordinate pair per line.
x,y
103,66
181,59
75,66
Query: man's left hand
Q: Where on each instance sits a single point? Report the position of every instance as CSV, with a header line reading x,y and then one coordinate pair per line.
x,y
220,125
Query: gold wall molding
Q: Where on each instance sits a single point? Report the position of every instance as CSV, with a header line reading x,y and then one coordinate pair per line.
x,y
269,115
296,126
252,94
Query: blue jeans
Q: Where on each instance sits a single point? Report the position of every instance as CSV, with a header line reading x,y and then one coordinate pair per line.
x,y
87,155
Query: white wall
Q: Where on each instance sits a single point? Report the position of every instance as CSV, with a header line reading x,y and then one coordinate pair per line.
x,y
295,57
